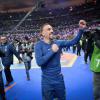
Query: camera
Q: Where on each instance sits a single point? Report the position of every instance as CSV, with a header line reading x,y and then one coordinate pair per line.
x,y
93,34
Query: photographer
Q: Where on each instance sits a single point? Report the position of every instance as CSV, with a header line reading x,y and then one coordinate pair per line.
x,y
95,64
89,45
26,51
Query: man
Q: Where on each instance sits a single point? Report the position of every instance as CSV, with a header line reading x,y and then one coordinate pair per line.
x,y
2,92
8,49
89,46
47,54
95,64
26,50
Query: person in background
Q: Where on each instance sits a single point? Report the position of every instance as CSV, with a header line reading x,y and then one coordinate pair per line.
x,y
9,50
89,46
26,50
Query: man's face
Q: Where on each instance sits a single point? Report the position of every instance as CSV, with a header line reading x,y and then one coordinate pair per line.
x,y
3,39
47,32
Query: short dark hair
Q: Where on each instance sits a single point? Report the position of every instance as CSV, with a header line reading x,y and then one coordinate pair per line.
x,y
41,28
3,36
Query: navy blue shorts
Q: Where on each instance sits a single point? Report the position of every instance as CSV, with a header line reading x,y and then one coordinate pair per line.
x,y
53,88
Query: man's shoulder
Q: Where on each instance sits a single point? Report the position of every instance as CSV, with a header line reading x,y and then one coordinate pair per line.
x,y
39,43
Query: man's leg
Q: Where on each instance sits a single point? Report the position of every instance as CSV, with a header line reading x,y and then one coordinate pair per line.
x,y
97,86
60,89
47,91
8,75
27,70
2,92
80,52
90,56
85,57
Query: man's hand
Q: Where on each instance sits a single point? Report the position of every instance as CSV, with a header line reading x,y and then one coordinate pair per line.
x,y
82,24
55,48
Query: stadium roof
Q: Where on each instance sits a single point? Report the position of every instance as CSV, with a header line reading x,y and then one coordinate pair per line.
x,y
21,5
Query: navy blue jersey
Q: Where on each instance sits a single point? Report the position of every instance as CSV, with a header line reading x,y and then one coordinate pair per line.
x,y
8,49
48,60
